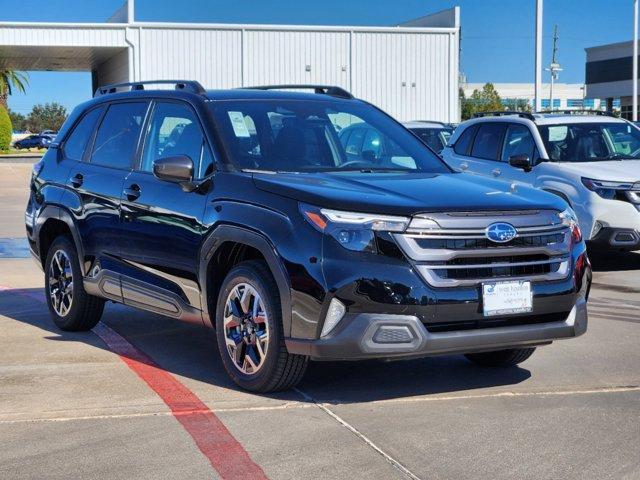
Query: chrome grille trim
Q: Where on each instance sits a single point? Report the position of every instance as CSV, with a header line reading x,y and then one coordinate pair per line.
x,y
470,234
431,262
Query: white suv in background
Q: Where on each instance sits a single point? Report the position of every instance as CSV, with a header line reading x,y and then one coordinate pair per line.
x,y
591,160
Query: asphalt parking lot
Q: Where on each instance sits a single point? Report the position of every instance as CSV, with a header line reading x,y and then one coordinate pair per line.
x,y
146,397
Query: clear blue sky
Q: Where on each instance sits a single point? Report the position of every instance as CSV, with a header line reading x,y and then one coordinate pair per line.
x,y
497,35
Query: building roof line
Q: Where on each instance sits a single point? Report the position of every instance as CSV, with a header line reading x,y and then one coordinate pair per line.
x,y
230,26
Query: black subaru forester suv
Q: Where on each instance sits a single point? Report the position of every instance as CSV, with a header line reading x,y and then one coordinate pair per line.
x,y
246,211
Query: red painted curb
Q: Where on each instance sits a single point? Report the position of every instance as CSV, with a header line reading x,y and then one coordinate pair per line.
x,y
227,456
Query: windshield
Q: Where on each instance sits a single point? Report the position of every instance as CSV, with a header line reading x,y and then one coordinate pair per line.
x,y
588,142
436,138
315,135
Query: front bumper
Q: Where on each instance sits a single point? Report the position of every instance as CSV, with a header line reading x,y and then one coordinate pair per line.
x,y
366,335
616,239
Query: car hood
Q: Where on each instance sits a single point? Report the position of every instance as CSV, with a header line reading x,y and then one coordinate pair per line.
x,y
405,193
611,170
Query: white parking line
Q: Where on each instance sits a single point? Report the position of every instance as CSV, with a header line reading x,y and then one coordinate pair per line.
x,y
395,463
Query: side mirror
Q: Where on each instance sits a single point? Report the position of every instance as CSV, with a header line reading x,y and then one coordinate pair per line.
x,y
521,161
369,155
176,169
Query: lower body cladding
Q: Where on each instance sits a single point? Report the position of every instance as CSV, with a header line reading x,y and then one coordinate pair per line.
x,y
363,336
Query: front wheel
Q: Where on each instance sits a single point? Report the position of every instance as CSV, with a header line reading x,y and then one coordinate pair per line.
x,y
501,358
250,334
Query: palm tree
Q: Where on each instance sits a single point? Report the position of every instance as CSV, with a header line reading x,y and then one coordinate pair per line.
x,y
11,80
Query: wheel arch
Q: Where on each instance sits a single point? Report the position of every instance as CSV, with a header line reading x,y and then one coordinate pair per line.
x,y
559,194
52,222
225,247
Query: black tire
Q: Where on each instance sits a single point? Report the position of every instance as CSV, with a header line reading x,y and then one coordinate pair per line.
x,y
281,370
501,358
85,310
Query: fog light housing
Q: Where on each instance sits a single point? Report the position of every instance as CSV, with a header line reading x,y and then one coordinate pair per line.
x,y
334,314
597,226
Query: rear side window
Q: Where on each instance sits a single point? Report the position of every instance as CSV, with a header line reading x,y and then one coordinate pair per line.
x,y
464,141
76,142
487,141
118,134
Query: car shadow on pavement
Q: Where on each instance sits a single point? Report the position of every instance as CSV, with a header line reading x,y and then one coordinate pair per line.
x,y
191,351
614,261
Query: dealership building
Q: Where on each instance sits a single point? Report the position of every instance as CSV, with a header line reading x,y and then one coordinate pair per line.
x,y
410,70
566,96
609,74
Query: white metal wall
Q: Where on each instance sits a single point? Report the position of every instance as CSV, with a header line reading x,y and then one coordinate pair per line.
x,y
273,57
410,72
411,75
405,74
210,56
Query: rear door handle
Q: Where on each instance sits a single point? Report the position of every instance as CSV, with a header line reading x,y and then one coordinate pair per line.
x,y
464,166
496,172
132,192
77,180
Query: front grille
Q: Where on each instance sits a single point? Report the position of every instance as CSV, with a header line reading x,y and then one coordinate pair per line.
x,y
457,252
439,327
484,243
497,272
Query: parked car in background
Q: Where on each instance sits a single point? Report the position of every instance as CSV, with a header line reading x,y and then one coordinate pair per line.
x,y
590,159
49,133
434,134
33,141
253,212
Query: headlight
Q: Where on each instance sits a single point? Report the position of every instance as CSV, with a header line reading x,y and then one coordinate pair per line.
x,y
354,231
607,189
570,219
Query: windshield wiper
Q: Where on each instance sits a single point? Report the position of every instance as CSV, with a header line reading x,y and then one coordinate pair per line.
x,y
617,156
382,169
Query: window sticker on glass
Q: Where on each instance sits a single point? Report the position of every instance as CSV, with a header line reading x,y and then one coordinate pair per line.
x,y
239,127
558,133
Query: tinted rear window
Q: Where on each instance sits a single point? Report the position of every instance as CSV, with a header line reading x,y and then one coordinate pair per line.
x,y
464,141
487,141
118,134
76,142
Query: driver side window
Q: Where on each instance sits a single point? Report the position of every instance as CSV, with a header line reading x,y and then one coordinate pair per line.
x,y
175,130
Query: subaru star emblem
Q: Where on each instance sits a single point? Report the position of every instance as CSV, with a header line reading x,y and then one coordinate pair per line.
x,y
501,232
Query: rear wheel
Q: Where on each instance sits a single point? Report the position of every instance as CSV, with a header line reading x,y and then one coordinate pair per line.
x,y
250,334
501,358
71,307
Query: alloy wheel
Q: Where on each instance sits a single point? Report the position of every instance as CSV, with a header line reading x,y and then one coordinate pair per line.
x,y
61,283
246,328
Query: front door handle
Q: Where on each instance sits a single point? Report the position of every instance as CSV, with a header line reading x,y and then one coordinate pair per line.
x,y
496,172
77,180
132,192
464,166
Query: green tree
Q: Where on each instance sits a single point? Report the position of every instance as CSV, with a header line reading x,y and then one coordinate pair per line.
x,y
5,129
49,116
518,105
10,81
485,100
18,121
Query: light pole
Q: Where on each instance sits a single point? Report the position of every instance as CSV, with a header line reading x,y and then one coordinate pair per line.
x,y
634,113
538,86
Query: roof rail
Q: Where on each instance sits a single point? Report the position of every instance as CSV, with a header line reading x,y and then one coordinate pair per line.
x,y
501,113
322,89
444,124
189,85
579,111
